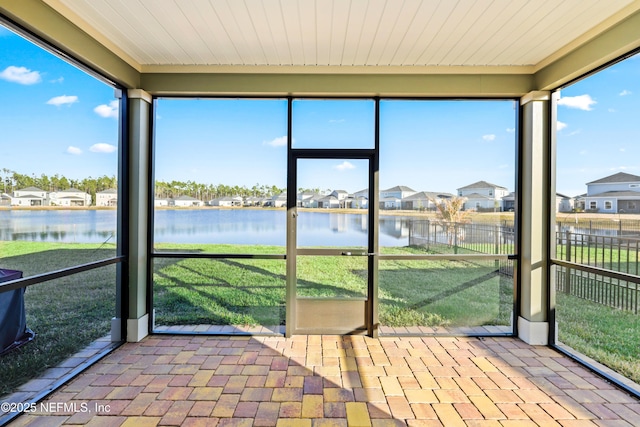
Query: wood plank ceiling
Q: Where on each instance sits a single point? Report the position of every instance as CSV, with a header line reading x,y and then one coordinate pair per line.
x,y
345,33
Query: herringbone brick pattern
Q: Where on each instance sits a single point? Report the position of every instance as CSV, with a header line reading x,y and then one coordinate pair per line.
x,y
335,381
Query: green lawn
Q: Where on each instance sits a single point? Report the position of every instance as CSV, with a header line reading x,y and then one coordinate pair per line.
x,y
69,313
605,334
252,292
66,314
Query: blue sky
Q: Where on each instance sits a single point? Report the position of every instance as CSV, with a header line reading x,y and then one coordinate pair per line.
x,y
58,120
54,117
599,127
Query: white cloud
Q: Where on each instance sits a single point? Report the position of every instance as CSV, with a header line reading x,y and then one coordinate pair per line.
x,y
511,130
575,132
611,110
337,121
580,102
108,111
344,166
74,150
489,137
625,93
561,125
21,75
623,150
62,100
103,148
280,141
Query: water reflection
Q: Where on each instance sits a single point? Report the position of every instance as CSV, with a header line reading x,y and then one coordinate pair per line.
x,y
232,226
60,226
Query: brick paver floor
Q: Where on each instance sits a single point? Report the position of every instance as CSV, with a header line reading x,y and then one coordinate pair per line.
x,y
335,381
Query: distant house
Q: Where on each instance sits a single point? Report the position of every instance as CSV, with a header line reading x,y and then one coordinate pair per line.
x,y
30,196
424,200
390,203
277,201
397,192
304,196
227,201
342,197
160,202
254,201
483,196
618,193
70,198
391,198
359,199
309,200
185,202
329,202
509,202
564,203
107,197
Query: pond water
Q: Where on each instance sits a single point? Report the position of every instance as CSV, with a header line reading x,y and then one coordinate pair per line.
x,y
232,226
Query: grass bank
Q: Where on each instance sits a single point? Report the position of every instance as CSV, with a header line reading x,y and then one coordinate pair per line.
x,y
67,314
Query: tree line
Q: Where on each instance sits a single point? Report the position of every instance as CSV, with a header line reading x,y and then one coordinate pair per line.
x,y
206,192
12,181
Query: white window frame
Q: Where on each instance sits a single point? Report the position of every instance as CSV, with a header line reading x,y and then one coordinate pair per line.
x,y
608,205
593,204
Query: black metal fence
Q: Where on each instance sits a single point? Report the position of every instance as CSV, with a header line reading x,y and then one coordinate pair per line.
x,y
614,253
465,238
617,225
609,248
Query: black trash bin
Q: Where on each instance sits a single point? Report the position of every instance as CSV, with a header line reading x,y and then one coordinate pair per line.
x,y
13,318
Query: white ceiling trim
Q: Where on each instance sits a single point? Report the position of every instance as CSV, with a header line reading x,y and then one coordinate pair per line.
x,y
342,36
91,31
591,34
335,69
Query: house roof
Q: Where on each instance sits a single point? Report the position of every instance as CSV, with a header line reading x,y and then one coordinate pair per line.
x,y
619,177
398,188
30,189
481,184
108,191
423,195
634,194
189,198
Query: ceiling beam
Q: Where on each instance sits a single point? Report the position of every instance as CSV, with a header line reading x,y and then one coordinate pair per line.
x,y
613,43
389,85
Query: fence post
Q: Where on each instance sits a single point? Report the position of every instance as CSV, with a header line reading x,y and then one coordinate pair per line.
x,y
428,236
496,239
455,237
567,270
